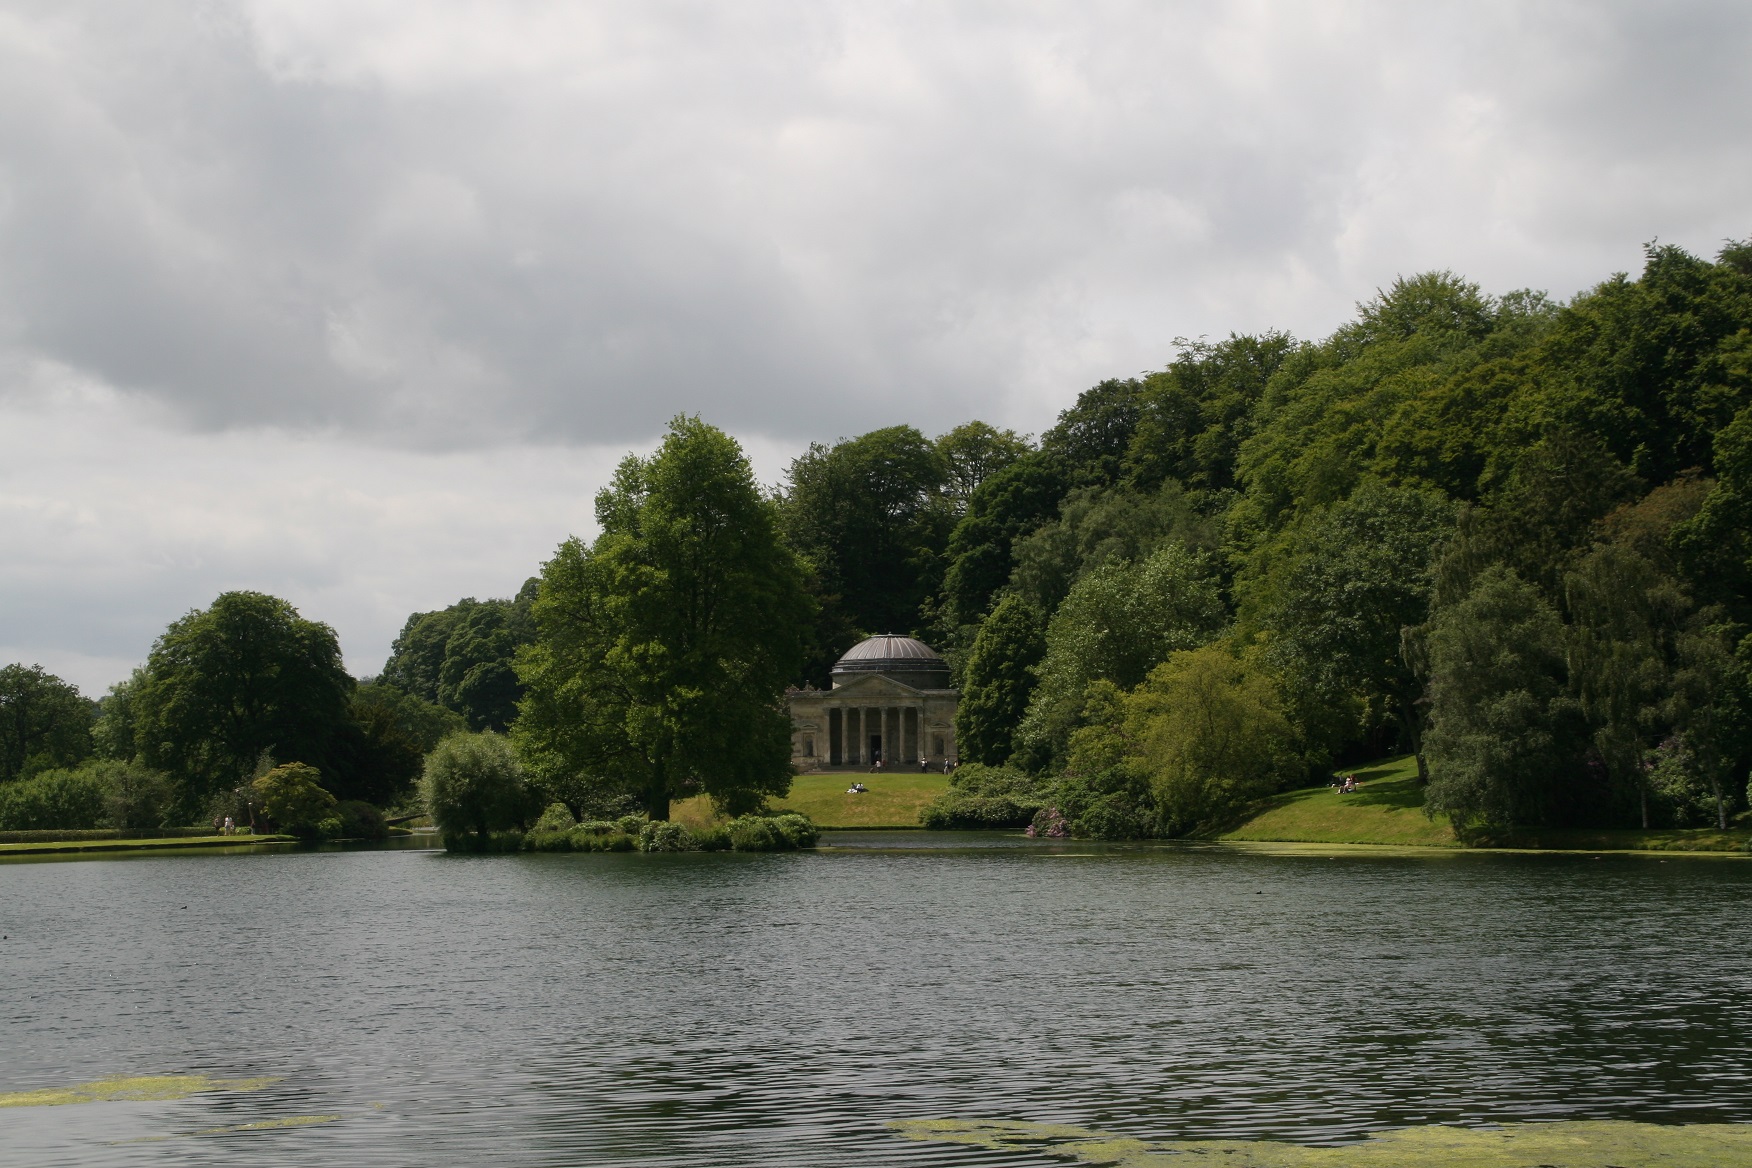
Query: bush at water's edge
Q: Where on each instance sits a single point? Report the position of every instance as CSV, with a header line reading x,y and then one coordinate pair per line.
x,y
557,831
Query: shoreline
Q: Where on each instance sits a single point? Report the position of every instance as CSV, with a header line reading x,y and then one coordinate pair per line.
x,y
50,847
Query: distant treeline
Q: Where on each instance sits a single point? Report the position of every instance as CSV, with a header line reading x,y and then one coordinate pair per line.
x,y
1510,535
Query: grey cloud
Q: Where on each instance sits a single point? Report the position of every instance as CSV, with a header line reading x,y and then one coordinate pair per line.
x,y
447,225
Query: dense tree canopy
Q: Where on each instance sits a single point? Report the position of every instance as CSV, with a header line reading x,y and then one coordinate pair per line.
x,y
663,648
44,722
870,517
1565,488
227,684
463,658
998,681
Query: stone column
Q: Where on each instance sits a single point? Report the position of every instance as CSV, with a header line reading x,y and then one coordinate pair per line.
x,y
852,731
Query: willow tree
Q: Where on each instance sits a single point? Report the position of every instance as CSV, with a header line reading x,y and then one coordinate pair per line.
x,y
662,648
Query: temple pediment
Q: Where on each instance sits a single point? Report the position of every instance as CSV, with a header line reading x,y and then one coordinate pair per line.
x,y
875,685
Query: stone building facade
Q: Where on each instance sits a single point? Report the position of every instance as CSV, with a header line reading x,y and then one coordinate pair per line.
x,y
890,700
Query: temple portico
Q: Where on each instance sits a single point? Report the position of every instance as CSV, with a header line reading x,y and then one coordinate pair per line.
x,y
890,700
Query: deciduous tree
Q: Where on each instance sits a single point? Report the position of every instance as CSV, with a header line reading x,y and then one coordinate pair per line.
x,y
663,648
44,722
227,683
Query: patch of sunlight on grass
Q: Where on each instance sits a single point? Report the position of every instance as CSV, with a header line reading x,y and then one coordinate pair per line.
x,y
1591,1144
893,800
122,1088
1387,810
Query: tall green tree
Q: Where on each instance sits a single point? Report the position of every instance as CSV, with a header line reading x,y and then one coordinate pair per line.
x,y
226,684
1715,545
1195,414
463,658
998,681
972,453
1095,527
1005,507
1505,735
44,722
1340,593
870,517
663,648
1086,448
1120,621
1208,731
474,783
1627,621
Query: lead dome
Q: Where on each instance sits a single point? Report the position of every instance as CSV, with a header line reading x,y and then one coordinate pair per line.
x,y
905,659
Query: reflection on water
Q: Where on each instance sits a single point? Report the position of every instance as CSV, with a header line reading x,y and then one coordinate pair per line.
x,y
737,1009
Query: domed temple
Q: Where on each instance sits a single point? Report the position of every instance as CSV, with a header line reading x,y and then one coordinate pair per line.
x,y
890,700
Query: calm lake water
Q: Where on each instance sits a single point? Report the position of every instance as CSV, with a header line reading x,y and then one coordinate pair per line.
x,y
732,1009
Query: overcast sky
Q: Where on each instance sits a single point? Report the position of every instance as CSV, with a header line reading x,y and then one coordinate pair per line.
x,y
358,301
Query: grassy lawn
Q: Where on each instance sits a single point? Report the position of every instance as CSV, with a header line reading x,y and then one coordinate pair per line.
x,y
1388,810
1670,839
130,845
892,800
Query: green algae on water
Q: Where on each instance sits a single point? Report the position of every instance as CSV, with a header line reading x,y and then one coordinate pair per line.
x,y
284,1121
1584,1144
135,1088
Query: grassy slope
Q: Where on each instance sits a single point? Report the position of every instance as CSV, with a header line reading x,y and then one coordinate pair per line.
x,y
892,801
132,845
1388,810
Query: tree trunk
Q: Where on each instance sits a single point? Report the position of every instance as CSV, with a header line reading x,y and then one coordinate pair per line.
x,y
1411,718
1642,795
1721,803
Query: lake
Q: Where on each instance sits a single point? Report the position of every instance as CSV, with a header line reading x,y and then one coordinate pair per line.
x,y
410,1006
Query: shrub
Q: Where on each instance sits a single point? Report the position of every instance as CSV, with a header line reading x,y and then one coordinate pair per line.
x,y
756,833
356,819
713,839
630,824
473,783
955,811
983,797
53,799
797,829
1114,816
601,836
292,798
769,833
552,832
134,795
1049,823
557,818
666,837
485,841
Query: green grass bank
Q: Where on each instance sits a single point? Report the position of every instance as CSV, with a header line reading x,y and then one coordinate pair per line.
x,y
893,801
1389,811
138,845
